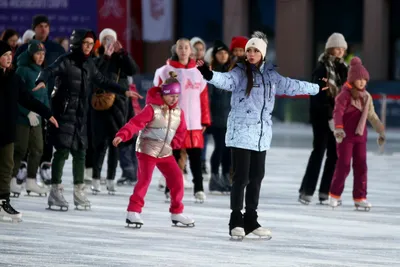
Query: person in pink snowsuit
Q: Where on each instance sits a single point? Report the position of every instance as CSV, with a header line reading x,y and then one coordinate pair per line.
x,y
162,128
353,107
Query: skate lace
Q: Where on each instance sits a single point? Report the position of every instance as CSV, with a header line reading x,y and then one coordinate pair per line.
x,y
8,208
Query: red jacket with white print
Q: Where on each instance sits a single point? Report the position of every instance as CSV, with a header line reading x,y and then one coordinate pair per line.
x,y
193,99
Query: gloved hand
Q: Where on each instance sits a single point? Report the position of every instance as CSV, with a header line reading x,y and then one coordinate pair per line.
x,y
33,119
339,135
381,139
331,125
205,70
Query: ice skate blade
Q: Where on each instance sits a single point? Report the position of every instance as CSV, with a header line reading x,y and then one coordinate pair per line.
x,y
15,195
60,208
111,193
199,201
182,225
35,194
237,238
304,202
83,207
133,225
257,237
359,208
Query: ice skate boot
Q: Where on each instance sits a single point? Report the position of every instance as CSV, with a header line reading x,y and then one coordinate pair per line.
x,y
110,187
182,220
15,188
334,202
56,198
126,181
217,185
134,219
362,204
80,199
323,199
236,226
32,186
227,181
305,199
88,176
8,212
186,183
45,173
251,225
199,197
22,173
103,180
95,186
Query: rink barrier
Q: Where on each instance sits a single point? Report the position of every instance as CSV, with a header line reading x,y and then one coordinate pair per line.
x,y
383,98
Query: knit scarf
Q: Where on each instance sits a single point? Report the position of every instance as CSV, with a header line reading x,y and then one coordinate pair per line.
x,y
329,62
362,103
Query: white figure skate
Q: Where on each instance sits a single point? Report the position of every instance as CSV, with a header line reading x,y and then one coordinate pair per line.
x,y
133,218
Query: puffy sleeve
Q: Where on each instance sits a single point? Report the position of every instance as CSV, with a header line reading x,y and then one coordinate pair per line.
x,y
292,87
373,117
205,107
228,81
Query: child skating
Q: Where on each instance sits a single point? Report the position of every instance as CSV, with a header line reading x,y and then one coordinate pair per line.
x,y
353,107
254,84
162,128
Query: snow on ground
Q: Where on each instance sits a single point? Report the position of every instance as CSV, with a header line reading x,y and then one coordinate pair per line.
x,y
306,236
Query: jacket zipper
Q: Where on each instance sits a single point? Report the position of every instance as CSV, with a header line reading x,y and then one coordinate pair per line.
x,y
262,112
166,136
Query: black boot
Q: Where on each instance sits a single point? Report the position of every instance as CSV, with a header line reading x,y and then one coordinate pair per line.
x,y
250,221
236,220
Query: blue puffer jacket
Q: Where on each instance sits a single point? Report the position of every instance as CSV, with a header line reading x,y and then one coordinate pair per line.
x,y
249,122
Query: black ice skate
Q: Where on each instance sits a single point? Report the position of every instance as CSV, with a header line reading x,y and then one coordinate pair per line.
x,y
8,212
181,220
133,218
305,199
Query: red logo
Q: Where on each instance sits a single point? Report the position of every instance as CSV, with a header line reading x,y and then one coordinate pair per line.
x,y
189,85
157,8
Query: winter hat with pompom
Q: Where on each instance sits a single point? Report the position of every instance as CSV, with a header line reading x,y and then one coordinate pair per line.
x,y
357,71
336,40
258,41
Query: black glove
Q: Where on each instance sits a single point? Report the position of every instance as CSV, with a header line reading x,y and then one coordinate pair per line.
x,y
205,71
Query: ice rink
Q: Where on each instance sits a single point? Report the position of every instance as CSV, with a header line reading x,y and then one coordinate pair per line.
x,y
305,236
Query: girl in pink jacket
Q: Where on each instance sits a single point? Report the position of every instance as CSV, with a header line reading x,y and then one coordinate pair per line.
x,y
162,128
353,107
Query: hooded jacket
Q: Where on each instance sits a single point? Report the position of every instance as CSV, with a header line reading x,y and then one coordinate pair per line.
x,y
193,99
162,128
74,73
29,71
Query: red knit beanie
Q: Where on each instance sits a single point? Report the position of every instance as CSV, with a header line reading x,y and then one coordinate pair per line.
x,y
357,71
89,35
238,42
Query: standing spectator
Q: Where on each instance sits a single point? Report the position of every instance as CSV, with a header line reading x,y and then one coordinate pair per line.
x,y
41,27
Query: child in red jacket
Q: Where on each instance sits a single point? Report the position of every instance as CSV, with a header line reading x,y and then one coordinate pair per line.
x,y
353,107
162,128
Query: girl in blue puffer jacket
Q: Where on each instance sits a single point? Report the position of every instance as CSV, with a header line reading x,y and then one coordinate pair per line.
x,y
254,84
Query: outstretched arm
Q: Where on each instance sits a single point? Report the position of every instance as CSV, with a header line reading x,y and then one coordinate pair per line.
x,y
291,87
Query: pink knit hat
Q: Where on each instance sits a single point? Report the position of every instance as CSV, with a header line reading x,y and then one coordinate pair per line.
x,y
357,71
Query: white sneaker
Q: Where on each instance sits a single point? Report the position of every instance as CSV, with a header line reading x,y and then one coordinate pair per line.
x,y
182,219
95,186
32,186
134,218
200,196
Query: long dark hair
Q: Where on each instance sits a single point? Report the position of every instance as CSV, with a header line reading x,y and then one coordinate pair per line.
x,y
249,73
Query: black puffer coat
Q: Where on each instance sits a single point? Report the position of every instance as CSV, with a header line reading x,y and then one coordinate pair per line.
x,y
74,74
105,124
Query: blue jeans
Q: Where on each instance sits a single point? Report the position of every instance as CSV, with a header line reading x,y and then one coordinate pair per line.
x,y
128,160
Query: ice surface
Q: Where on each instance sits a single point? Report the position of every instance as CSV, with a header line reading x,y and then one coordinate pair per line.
x,y
306,236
